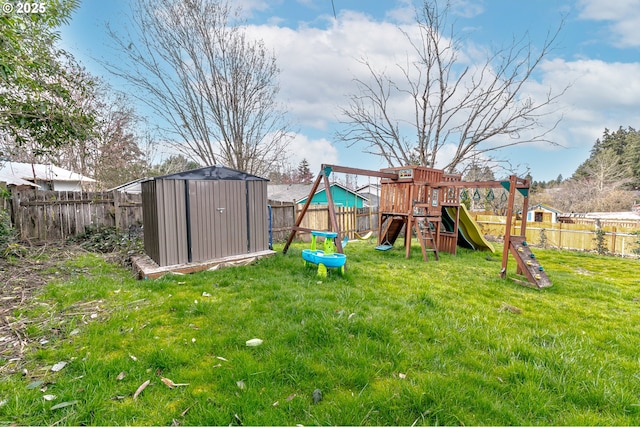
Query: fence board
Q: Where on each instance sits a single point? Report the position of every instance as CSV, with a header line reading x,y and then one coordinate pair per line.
x,y
619,237
43,216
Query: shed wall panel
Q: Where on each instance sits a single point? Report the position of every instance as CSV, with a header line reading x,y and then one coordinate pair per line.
x,y
172,222
259,220
218,219
150,220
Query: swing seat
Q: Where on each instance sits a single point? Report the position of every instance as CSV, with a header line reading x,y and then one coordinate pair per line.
x,y
384,247
365,237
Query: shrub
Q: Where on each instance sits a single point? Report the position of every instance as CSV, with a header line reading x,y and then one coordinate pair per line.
x,y
601,244
544,241
7,232
636,250
104,239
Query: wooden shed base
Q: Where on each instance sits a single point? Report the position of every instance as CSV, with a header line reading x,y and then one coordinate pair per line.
x,y
146,268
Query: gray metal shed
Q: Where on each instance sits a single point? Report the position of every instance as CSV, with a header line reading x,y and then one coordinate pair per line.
x,y
204,214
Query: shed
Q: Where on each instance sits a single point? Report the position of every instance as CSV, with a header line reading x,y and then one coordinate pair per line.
x,y
542,213
203,215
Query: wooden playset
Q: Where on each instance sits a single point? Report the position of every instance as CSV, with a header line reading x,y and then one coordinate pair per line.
x,y
414,199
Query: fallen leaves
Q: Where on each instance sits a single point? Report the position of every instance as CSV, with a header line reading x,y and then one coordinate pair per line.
x,y
58,366
34,384
316,396
171,384
254,342
64,404
141,388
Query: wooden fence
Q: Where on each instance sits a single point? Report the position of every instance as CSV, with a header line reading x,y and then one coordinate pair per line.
x,y
54,215
46,216
619,238
42,216
350,220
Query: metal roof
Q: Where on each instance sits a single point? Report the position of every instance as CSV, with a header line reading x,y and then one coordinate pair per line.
x,y
40,172
213,173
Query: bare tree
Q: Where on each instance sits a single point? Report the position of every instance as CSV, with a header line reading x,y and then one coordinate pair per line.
x,y
214,87
476,109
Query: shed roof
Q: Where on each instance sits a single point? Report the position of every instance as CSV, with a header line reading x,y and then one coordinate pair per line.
x,y
213,173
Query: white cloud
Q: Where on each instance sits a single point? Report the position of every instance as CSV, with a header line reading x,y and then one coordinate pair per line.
x,y
316,151
318,64
467,8
624,16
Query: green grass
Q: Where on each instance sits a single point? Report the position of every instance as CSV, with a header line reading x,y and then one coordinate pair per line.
x,y
394,341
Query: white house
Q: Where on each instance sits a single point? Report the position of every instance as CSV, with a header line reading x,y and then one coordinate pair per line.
x,y
371,192
44,177
542,213
131,187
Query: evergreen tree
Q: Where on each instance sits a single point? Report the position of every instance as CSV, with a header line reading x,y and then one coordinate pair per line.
x,y
304,175
614,159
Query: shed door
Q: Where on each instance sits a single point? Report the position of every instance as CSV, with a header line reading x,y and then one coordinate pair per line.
x,y
218,219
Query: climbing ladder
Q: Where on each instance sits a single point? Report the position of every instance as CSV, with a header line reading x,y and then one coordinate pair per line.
x,y
425,228
528,263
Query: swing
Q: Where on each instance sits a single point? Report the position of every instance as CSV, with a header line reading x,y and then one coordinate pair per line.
x,y
385,246
366,236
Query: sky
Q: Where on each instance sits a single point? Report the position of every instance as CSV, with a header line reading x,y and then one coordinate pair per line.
x,y
596,59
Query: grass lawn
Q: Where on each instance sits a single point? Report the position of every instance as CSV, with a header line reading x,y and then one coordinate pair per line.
x,y
393,342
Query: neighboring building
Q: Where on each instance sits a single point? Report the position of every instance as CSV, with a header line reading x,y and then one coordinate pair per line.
x,y
131,187
605,216
44,177
542,213
371,192
298,193
290,193
341,195
10,179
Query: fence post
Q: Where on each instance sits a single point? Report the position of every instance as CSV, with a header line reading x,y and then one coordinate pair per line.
x,y
116,207
613,239
559,235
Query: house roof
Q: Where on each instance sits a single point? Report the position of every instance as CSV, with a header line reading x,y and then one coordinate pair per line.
x,y
28,171
288,192
369,188
132,187
335,184
216,172
544,207
299,192
622,216
13,180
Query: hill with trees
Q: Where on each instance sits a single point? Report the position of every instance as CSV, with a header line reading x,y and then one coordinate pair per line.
x,y
608,181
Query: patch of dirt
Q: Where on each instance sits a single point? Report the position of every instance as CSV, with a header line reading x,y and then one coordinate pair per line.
x,y
583,271
21,279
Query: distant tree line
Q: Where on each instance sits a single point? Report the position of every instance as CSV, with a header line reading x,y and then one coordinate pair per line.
x,y
608,181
